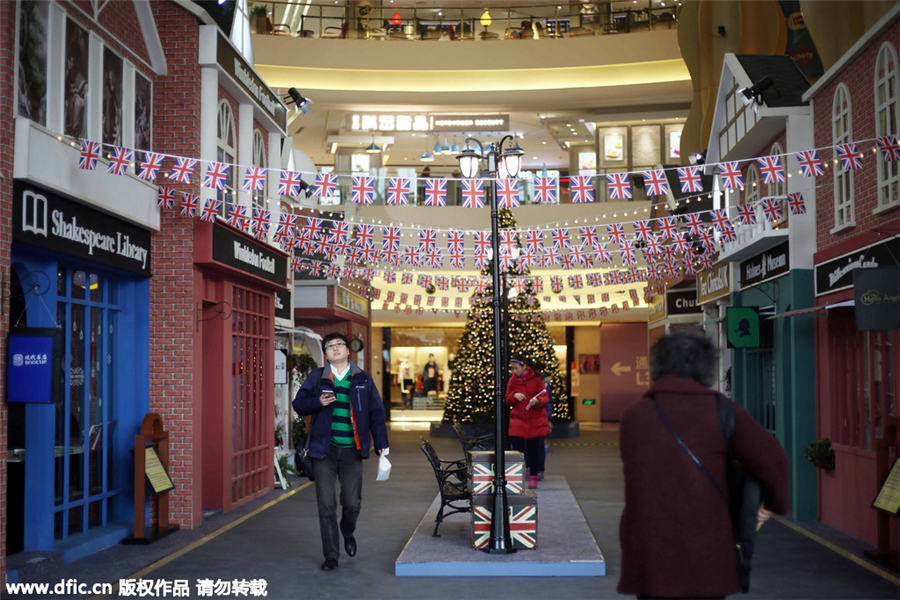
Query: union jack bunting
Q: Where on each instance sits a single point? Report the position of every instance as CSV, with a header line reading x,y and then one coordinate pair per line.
x,y
365,235
551,255
534,241
289,183
254,179
642,229
581,189
653,245
603,255
165,197
151,166
324,185
720,219
619,186
362,189
693,222
655,182
732,178
705,235
390,237
508,242
183,170
435,192
681,243
796,203
507,193
119,160
411,257
889,147
560,237
729,235
690,180
616,233
566,260
398,190
216,175
260,222
556,283
747,214
473,193
210,210
189,205
850,157
482,243
406,278
627,251
667,227
771,169
237,217
810,165
427,239
772,208
589,236
545,190
90,153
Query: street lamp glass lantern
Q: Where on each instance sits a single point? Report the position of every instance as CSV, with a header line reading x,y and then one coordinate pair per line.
x,y
511,161
468,162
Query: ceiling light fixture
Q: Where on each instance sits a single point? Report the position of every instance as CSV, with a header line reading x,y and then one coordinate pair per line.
x,y
295,97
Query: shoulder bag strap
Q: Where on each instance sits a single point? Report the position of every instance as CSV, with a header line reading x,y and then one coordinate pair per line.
x,y
688,450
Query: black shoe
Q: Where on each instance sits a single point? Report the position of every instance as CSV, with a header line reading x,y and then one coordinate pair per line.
x,y
330,564
350,545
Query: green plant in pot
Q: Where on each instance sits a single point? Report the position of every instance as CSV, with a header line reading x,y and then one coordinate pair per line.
x,y
821,454
258,18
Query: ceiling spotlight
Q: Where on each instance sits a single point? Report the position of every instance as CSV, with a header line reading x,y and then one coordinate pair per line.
x,y
754,92
295,97
698,158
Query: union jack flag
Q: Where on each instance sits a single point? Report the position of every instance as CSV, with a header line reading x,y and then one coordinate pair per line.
x,y
581,189
507,193
189,204
435,192
390,238
747,214
653,245
183,169
603,255
165,197
456,241
556,283
411,257
616,233
690,180
681,243
560,237
522,526
254,179
729,235
340,231
771,169
398,190
362,189
693,222
772,208
473,193
210,210
237,217
545,190
732,178
655,182
216,175
619,186
119,161
289,183
427,239
260,222
667,227
889,147
365,234
627,251
810,165
589,236
851,158
90,153
482,243
325,185
720,219
551,255
534,241
642,229
796,203
151,166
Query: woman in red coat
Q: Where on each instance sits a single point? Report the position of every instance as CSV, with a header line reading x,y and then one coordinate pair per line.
x,y
528,424
676,532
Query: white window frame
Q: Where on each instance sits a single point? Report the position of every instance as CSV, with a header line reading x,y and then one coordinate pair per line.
x,y
842,132
752,187
779,189
226,150
258,198
887,122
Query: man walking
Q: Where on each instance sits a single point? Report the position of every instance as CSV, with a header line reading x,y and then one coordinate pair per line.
x,y
346,412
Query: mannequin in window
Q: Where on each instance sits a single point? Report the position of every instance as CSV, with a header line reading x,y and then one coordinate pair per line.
x,y
430,375
405,375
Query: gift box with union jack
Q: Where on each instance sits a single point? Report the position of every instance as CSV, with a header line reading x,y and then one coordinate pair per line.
x,y
522,520
481,472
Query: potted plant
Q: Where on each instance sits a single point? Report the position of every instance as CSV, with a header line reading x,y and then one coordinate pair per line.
x,y
821,454
258,18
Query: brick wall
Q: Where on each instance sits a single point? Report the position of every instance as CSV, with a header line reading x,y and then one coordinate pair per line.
x,y
859,77
118,18
7,53
176,105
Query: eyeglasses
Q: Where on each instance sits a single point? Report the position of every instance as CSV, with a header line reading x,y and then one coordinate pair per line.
x,y
333,346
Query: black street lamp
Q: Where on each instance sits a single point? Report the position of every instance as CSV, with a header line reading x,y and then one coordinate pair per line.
x,y
499,163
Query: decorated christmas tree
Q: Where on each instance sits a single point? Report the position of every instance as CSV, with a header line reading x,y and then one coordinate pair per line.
x,y
470,394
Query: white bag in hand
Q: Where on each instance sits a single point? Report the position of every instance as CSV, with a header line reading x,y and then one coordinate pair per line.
x,y
384,468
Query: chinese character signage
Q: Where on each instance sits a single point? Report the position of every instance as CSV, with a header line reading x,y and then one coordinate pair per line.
x,y
32,352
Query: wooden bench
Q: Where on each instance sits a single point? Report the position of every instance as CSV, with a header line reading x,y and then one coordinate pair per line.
x,y
451,480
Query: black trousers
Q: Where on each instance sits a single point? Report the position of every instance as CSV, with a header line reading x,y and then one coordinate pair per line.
x,y
533,449
342,464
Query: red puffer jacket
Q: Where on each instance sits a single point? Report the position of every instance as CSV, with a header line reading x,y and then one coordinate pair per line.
x,y
527,423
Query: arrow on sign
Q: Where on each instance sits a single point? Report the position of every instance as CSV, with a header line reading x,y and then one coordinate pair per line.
x,y
619,368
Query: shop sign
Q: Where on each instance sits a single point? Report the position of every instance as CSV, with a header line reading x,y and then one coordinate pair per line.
x,y
33,357
656,308
682,302
423,122
713,283
280,366
767,265
233,63
283,304
247,255
355,303
877,298
48,220
837,273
